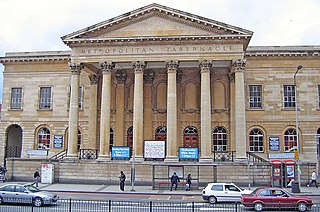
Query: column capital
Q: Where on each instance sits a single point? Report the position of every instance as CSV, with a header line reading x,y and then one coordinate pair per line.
x,y
172,66
239,65
139,66
148,77
76,68
107,67
205,66
94,79
121,76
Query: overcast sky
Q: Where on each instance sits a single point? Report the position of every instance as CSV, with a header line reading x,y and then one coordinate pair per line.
x,y
37,25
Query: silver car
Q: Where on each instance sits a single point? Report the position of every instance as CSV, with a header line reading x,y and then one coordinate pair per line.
x,y
26,193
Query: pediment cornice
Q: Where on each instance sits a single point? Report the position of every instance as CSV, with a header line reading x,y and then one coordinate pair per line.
x,y
210,28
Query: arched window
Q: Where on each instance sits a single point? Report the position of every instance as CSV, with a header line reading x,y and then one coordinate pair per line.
x,y
290,139
256,140
161,133
111,138
219,139
44,138
190,137
79,139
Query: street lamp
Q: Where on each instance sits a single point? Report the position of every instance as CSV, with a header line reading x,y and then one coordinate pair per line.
x,y
297,126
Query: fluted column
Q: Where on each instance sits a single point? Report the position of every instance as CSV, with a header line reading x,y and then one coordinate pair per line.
x,y
104,153
205,112
121,77
148,80
74,110
138,68
172,68
240,117
93,112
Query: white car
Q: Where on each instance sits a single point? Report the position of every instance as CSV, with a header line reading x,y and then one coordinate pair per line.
x,y
223,192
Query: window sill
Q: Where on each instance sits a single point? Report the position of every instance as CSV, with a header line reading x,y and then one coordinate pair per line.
x,y
255,109
289,109
44,109
11,109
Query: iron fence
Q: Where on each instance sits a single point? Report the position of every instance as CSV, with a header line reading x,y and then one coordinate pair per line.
x,y
73,205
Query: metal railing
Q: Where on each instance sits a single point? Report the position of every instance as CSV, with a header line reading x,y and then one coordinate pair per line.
x,y
59,155
222,156
73,205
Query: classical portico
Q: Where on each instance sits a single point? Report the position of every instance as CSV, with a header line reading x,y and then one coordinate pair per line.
x,y
159,67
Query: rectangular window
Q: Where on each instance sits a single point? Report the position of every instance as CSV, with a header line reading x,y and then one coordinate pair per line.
x,y
289,96
45,98
255,96
81,94
16,98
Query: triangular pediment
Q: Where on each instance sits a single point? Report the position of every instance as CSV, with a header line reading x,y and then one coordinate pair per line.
x,y
155,21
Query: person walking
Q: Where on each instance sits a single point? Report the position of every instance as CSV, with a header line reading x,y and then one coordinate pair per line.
x,y
188,182
313,179
174,181
122,178
36,176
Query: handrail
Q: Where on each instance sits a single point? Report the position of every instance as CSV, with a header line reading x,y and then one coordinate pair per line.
x,y
59,155
256,158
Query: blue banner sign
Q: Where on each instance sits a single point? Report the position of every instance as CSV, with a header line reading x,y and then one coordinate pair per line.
x,y
120,152
188,153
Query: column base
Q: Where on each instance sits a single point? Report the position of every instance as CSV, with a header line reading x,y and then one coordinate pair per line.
x,y
171,159
205,160
71,158
241,160
104,158
137,159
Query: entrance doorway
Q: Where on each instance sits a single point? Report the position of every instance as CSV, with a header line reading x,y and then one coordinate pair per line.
x,y
190,137
14,142
161,133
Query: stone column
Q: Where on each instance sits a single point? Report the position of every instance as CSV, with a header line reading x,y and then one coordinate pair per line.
x,y
232,134
172,156
138,68
93,112
104,153
205,112
240,116
148,113
74,110
121,77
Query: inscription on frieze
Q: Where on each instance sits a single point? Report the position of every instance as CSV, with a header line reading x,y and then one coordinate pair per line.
x,y
136,50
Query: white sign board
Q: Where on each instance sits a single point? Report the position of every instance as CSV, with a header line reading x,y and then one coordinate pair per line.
x,y
288,155
154,149
47,174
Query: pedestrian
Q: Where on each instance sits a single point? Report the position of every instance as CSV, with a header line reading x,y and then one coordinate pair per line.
x,y
188,182
174,181
122,178
313,179
36,176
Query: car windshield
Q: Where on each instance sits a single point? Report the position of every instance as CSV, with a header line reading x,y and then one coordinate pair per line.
x,y
254,191
31,188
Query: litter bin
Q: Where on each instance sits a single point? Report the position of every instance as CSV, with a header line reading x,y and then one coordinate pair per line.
x,y
295,187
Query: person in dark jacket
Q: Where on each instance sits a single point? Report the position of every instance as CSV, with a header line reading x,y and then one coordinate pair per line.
x,y
36,176
188,182
122,178
174,181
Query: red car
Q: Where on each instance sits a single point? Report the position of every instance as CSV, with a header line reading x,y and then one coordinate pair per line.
x,y
278,198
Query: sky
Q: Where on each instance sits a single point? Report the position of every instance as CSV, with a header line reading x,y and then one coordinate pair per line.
x,y
37,25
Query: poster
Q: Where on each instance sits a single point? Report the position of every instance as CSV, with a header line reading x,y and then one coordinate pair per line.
x,y
154,149
188,153
290,171
120,152
177,169
57,141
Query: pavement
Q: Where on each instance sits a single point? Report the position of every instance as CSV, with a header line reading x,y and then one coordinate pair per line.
x,y
95,188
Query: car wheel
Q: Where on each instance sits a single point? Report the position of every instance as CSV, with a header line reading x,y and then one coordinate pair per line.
x,y
302,206
37,202
213,200
1,200
258,206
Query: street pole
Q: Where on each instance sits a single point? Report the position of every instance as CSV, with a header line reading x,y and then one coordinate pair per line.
x,y
297,124
133,170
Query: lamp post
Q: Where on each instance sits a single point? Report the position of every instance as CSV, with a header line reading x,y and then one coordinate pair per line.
x,y
133,171
297,122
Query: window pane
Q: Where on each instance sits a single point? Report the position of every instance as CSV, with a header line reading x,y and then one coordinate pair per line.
x,y
45,97
289,97
44,138
255,96
16,95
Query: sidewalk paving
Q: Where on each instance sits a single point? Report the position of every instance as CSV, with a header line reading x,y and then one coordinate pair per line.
x,y
63,187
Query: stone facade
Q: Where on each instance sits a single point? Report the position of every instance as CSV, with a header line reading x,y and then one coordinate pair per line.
x,y
152,68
